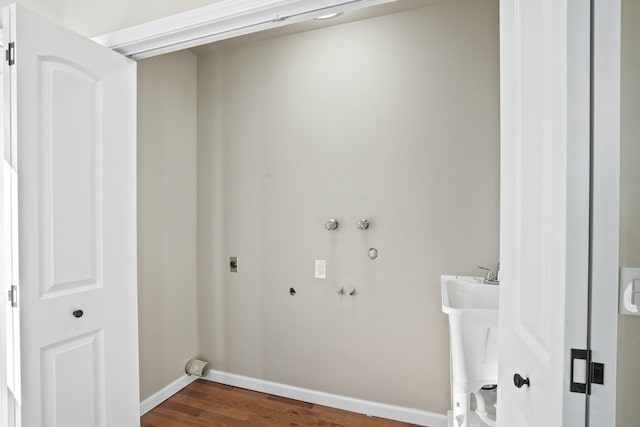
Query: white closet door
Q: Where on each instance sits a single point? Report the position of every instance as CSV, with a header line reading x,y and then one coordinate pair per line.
x,y
544,235
72,133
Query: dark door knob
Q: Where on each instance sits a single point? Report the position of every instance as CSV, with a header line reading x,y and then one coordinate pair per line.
x,y
78,313
518,381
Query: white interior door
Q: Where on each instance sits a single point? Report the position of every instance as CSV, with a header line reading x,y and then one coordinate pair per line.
x,y
544,247
72,132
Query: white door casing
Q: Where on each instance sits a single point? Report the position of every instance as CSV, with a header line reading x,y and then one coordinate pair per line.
x,y
5,270
606,205
545,89
72,127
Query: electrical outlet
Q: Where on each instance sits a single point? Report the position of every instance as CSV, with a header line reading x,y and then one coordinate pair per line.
x,y
629,302
321,269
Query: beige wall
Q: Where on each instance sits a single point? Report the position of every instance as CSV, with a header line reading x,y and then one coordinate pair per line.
x,y
166,218
628,381
95,17
394,119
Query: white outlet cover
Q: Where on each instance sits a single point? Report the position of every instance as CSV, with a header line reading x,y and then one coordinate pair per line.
x,y
628,278
321,269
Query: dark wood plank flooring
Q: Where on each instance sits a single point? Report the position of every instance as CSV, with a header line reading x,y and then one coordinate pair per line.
x,y
205,403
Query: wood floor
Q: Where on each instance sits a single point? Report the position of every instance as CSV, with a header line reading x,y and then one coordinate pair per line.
x,y
205,403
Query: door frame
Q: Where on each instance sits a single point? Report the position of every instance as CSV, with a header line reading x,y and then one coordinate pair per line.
x,y
5,248
605,205
232,18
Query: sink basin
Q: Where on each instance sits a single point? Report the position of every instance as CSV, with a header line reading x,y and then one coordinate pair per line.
x,y
465,293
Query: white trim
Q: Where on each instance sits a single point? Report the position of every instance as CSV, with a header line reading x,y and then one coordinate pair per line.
x,y
606,206
219,21
157,398
383,410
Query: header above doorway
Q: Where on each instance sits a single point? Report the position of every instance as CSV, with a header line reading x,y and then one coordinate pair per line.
x,y
219,21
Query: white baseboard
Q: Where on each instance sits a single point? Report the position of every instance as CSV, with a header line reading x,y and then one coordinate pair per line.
x,y
157,398
399,413
408,415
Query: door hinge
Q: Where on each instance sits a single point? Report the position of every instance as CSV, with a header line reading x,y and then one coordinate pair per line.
x,y
594,372
13,296
10,53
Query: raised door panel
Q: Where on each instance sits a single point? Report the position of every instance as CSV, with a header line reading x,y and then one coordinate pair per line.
x,y
70,150
73,382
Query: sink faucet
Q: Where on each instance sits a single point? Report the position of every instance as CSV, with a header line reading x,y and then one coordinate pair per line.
x,y
490,277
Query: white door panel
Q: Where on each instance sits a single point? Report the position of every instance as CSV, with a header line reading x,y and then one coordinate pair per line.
x,y
69,152
62,404
73,129
544,208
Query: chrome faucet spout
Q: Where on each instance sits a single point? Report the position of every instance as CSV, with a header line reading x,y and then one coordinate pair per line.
x,y
490,277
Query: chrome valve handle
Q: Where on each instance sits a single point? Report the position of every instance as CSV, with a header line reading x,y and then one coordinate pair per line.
x,y
332,224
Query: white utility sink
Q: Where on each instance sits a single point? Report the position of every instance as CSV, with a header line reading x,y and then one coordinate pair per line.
x,y
472,307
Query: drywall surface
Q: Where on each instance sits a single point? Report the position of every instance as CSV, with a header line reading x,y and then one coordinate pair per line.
x,y
166,218
628,378
394,119
96,17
